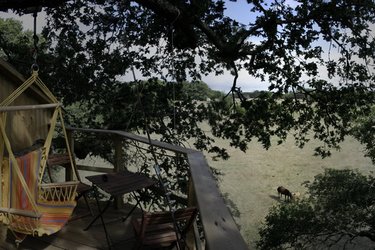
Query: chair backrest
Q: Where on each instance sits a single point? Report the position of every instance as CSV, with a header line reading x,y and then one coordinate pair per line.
x,y
181,215
184,218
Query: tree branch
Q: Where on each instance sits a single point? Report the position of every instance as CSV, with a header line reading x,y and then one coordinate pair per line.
x,y
161,7
211,35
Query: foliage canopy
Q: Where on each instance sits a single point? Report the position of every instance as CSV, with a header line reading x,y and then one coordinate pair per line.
x,y
287,44
338,210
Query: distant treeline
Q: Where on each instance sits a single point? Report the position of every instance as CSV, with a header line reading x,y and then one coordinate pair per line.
x,y
257,93
201,91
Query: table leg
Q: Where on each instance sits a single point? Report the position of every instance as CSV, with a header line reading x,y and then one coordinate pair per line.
x,y
100,212
134,207
101,217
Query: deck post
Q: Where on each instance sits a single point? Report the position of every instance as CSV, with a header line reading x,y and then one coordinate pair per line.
x,y
192,236
117,141
70,137
118,153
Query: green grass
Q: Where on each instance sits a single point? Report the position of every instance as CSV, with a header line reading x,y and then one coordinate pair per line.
x,y
250,179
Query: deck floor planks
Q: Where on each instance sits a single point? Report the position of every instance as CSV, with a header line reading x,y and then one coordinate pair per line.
x,y
72,236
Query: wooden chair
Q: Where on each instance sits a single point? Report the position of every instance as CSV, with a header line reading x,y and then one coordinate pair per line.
x,y
82,189
157,229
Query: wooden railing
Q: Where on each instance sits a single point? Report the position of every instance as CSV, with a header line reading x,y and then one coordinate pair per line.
x,y
220,230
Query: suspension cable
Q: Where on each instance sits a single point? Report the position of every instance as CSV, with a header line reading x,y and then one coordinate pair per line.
x,y
34,66
152,148
174,68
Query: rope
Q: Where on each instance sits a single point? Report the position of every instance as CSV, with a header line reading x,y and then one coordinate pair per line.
x,y
45,89
174,74
47,144
152,150
35,66
138,101
20,89
157,168
72,162
169,203
34,75
174,69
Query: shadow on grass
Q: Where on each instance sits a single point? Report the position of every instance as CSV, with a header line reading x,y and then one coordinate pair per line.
x,y
232,207
277,198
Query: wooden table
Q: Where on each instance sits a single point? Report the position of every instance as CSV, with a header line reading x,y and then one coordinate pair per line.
x,y
116,184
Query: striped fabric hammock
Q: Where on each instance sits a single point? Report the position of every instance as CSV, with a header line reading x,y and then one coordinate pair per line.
x,y
27,205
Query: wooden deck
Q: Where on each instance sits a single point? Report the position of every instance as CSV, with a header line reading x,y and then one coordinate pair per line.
x,y
219,228
72,236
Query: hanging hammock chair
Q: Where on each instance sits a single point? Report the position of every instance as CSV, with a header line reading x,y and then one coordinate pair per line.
x,y
28,205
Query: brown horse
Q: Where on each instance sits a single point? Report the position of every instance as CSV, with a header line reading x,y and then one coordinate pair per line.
x,y
283,191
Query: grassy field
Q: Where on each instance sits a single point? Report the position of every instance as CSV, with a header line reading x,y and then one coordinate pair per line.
x,y
250,179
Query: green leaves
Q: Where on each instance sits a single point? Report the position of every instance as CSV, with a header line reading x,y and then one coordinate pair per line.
x,y
364,131
94,45
287,46
283,224
16,45
338,209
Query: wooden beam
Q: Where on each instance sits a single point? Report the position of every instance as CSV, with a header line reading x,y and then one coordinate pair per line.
x,y
192,236
10,72
58,159
138,138
26,213
59,184
95,169
220,230
29,107
117,141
